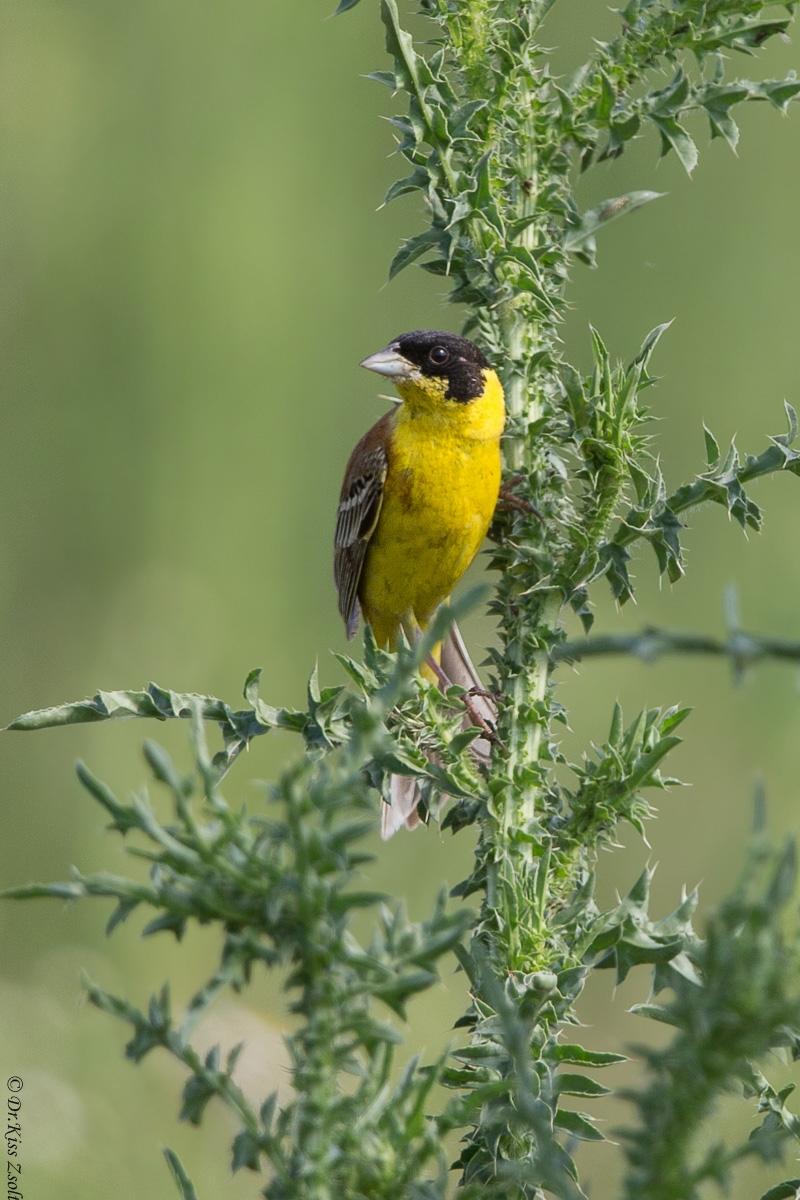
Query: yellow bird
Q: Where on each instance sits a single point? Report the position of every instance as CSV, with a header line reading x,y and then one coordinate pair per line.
x,y
419,492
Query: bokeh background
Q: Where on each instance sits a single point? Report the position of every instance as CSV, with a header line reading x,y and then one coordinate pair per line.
x,y
193,263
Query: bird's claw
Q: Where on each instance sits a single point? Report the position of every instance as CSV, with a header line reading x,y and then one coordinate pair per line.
x,y
488,731
509,500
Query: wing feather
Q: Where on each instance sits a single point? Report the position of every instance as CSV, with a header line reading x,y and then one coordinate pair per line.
x,y
357,516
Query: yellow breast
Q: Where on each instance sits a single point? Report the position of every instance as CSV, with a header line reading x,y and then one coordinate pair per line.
x,y
440,493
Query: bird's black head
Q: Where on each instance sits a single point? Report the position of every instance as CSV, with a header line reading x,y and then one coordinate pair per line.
x,y
446,356
434,354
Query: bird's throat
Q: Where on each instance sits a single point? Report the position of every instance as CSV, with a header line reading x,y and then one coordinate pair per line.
x,y
427,409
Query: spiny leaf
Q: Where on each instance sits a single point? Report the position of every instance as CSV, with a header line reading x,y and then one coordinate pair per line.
x,y
412,249
579,1125
610,210
674,137
246,1149
789,1190
579,1085
569,1052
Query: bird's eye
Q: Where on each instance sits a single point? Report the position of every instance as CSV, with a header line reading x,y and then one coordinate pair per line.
x,y
439,355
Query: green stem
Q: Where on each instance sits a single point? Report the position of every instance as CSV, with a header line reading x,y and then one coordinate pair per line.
x,y
528,684
528,689
651,644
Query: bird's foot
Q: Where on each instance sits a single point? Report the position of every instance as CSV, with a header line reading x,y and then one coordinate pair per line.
x,y
488,730
509,500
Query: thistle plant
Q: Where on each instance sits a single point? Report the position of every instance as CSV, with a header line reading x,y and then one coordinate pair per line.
x,y
495,144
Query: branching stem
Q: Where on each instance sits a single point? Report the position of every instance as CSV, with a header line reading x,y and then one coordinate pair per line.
x,y
742,648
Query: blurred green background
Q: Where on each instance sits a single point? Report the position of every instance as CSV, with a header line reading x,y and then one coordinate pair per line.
x,y
192,266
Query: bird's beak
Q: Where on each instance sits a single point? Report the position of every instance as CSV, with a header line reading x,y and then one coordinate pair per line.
x,y
390,362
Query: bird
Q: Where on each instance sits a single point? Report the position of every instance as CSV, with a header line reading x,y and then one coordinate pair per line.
x,y
419,493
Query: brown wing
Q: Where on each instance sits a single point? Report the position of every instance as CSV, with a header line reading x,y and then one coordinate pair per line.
x,y
357,515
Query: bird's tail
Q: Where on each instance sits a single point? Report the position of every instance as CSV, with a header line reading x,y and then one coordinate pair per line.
x,y
404,795
404,791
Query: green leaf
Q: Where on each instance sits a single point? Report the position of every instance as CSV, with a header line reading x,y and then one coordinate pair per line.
x,y
124,816
569,1052
400,46
166,923
120,914
385,78
395,992
460,741
712,447
461,118
413,248
610,210
196,1095
622,129
102,707
670,100
614,565
789,1190
724,126
717,100
655,1012
182,1181
781,91
162,766
746,34
246,1152
579,1125
674,717
44,891
347,900
159,703
605,100
416,182
784,880
675,137
579,1085
654,336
